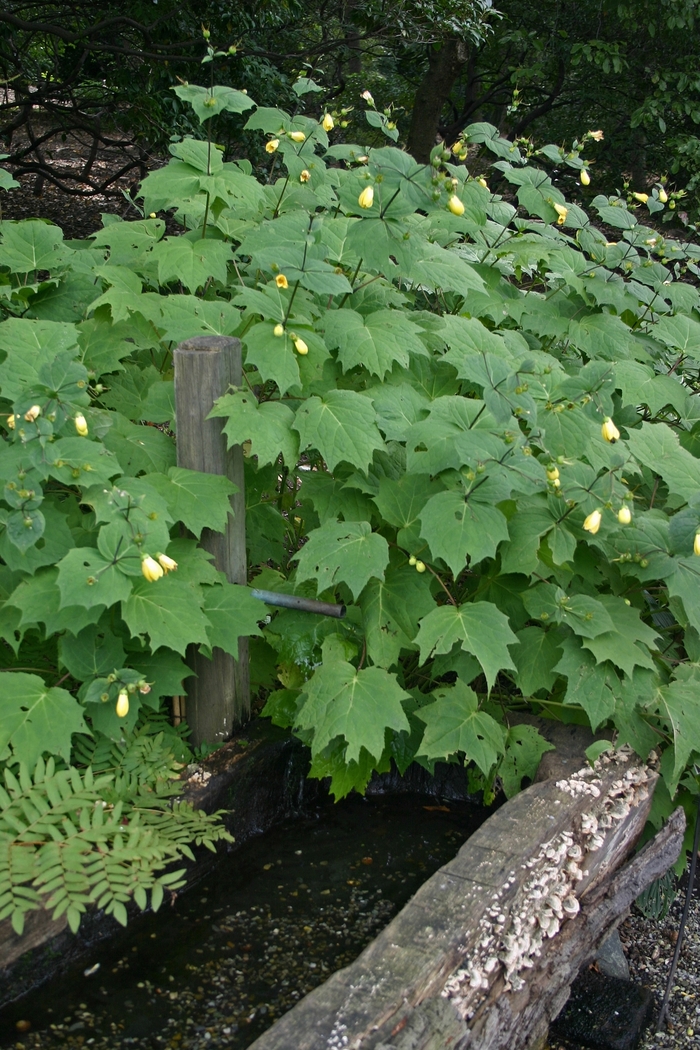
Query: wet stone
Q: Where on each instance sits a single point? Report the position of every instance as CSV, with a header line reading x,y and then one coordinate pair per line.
x,y
605,1013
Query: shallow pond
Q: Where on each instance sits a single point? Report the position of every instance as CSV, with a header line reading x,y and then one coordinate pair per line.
x,y
221,963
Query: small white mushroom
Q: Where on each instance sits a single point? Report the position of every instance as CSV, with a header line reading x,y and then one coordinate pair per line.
x,y
570,906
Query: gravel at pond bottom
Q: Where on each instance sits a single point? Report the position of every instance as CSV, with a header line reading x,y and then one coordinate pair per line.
x,y
649,947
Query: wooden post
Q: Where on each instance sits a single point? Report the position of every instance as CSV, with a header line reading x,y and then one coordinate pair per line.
x,y
219,697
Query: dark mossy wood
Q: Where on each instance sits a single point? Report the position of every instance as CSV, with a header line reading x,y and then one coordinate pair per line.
x,y
218,698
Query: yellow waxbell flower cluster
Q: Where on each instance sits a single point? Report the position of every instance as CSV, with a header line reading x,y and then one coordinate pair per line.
x,y
278,330
455,205
624,515
641,197
305,176
32,413
272,145
153,569
81,427
584,177
281,281
297,136
663,196
122,704
562,212
327,123
300,346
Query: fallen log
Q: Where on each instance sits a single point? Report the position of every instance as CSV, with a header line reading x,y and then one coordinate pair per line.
x,y
484,954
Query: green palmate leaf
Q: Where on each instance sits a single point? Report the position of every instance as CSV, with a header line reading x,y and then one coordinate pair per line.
x,y
274,356
358,706
525,529
458,529
478,627
198,500
333,498
30,344
168,611
657,447
590,685
375,342
39,600
233,613
76,459
186,316
535,659
207,102
439,268
164,671
94,651
139,449
626,645
455,725
391,609
401,500
458,432
268,427
191,262
33,245
35,719
342,426
524,750
88,579
346,775
343,552
679,707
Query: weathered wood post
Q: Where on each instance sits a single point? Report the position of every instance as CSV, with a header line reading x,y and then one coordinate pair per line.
x,y
219,697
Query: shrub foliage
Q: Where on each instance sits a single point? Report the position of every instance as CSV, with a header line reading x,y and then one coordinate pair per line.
x,y
471,417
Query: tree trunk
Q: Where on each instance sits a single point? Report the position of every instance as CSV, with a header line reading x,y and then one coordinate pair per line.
x,y
444,66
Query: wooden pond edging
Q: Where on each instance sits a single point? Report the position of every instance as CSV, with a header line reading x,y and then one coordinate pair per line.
x,y
485,952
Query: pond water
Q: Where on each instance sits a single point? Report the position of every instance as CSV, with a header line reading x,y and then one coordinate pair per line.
x,y
222,962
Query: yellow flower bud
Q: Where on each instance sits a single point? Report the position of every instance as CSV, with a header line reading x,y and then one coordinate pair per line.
x,y
327,123
366,198
412,560
272,145
278,330
420,566
585,177
166,563
31,414
696,544
301,347
297,136
624,515
151,569
592,522
281,281
597,136
641,197
81,426
151,215
609,431
123,704
483,182
11,421
455,205
663,196
305,176
552,473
